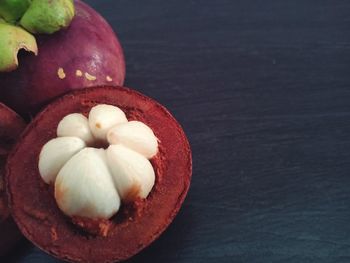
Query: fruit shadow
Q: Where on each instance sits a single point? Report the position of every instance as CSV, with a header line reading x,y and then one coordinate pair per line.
x,y
16,253
168,246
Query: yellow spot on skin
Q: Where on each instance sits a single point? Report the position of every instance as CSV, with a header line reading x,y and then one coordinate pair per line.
x,y
98,125
61,73
108,78
78,73
89,77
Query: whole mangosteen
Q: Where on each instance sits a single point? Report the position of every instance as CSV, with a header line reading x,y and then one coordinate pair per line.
x,y
11,126
86,53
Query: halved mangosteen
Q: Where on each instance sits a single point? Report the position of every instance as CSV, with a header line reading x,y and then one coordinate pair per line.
x,y
118,184
11,125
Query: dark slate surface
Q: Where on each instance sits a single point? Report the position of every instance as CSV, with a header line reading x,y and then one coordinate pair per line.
x,y
262,89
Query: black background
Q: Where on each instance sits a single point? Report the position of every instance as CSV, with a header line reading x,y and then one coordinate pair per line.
x,y
262,89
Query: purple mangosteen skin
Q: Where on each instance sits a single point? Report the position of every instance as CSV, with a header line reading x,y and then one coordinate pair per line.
x,y
88,45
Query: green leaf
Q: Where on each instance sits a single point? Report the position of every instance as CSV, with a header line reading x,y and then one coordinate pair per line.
x,y
48,16
12,39
13,10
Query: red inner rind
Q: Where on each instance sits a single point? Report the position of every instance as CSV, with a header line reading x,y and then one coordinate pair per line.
x,y
35,210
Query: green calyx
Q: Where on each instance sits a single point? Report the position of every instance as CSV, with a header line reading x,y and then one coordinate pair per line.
x,y
20,18
12,39
49,16
13,10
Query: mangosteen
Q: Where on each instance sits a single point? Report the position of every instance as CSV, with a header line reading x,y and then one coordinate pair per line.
x,y
11,125
87,53
98,175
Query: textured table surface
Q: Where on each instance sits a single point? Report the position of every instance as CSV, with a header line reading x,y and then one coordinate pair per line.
x,y
262,89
